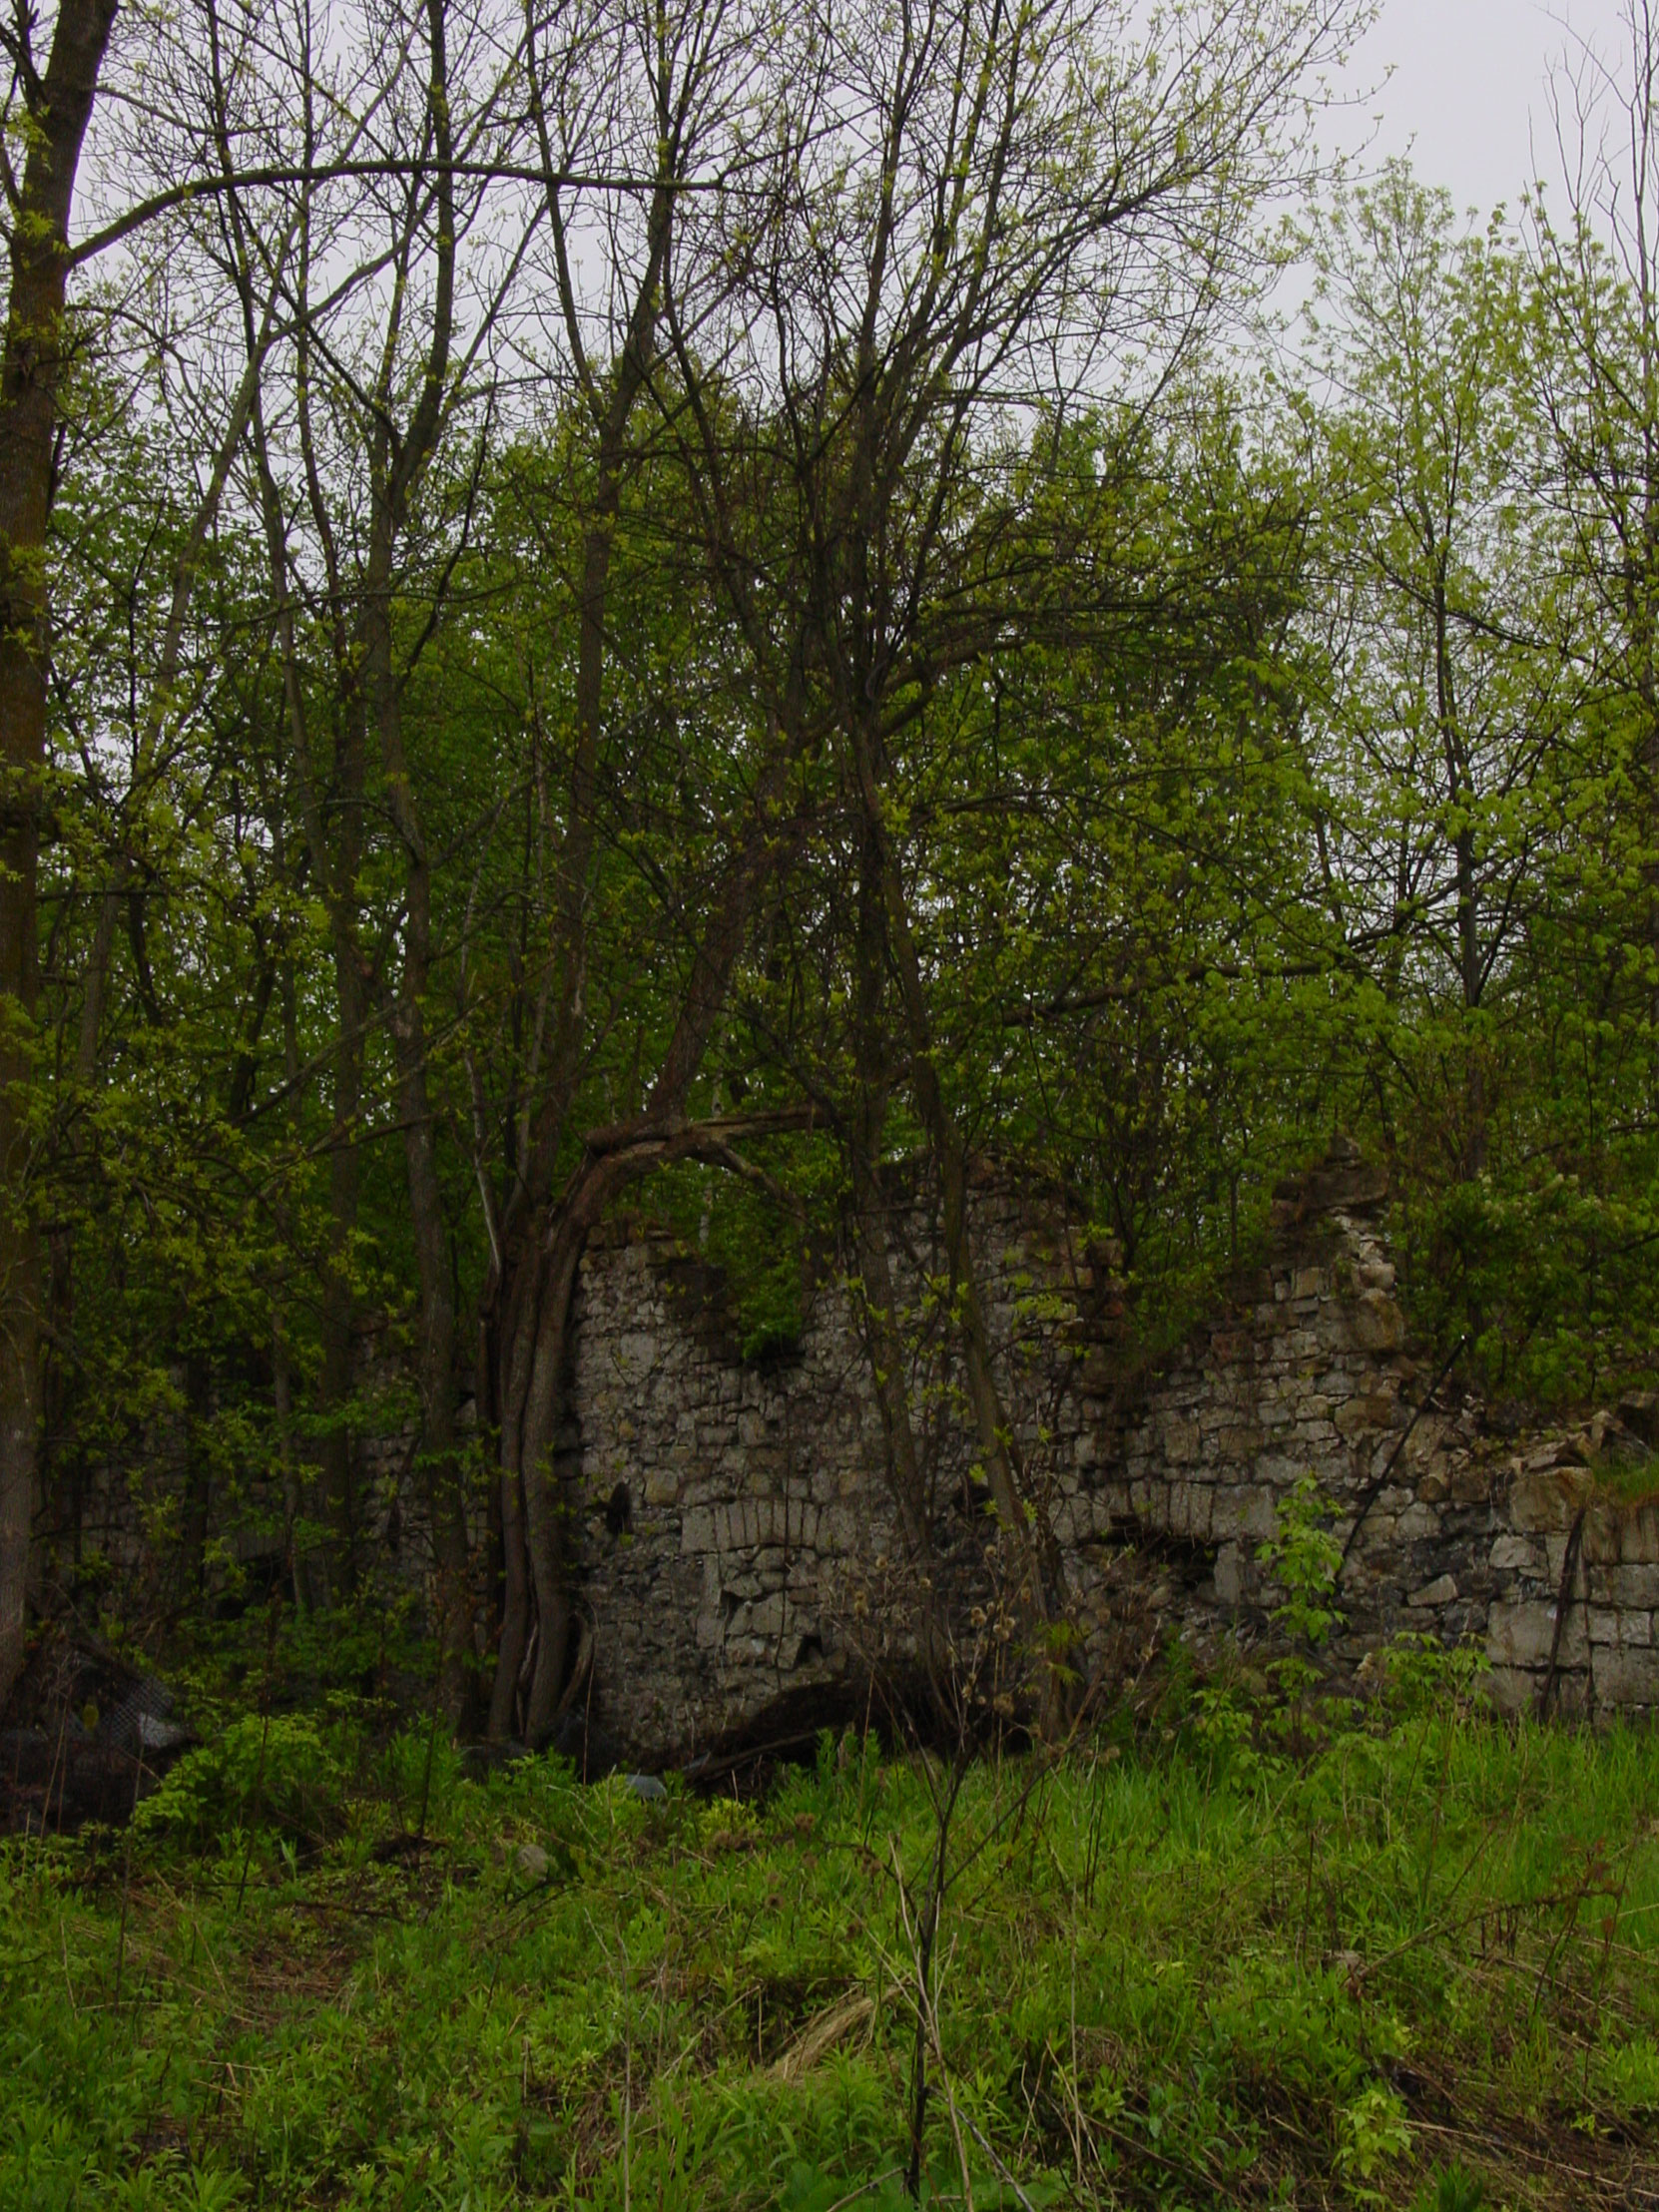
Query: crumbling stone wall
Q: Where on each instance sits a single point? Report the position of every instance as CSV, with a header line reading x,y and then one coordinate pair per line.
x,y
726,1508
1575,1613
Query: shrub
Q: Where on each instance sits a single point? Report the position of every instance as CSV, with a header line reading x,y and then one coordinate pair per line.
x,y
282,1771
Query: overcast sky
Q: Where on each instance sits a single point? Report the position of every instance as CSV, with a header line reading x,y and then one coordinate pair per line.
x,y
1469,85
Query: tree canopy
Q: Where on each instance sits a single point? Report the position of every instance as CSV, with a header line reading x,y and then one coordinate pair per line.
x,y
683,605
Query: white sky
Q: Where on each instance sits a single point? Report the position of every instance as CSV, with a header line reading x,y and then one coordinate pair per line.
x,y
1468,86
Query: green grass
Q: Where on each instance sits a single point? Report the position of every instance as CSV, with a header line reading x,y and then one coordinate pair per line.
x,y
1418,1968
1632,1480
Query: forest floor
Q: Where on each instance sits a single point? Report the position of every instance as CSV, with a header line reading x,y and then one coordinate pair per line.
x,y
1416,1965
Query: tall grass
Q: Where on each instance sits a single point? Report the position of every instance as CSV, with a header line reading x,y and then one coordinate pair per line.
x,y
1193,1971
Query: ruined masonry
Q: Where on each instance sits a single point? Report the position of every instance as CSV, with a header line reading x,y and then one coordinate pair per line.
x,y
727,1509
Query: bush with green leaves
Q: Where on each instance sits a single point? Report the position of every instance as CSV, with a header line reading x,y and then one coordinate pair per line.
x,y
287,1772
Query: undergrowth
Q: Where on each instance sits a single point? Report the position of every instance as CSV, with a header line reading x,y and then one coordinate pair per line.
x,y
1412,1967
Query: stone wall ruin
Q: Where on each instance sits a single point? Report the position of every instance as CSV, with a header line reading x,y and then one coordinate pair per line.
x,y
726,1509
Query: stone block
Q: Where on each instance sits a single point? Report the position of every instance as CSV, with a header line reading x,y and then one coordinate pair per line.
x,y
697,1530
1469,1481
1378,1323
1517,1555
1611,1625
1632,1586
1639,1535
1281,1467
636,1353
1416,1522
1546,1499
1363,1415
1181,1442
1229,1575
1519,1633
662,1487
1441,1591
1603,1538
1558,1451
1629,1676
1229,1504
1240,1441
1514,1690
1555,1564
839,1532
1257,1516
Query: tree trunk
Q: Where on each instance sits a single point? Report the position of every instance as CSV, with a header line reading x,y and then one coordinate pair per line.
x,y
540,1269
1041,1594
1040,1590
517,1304
439,1462
1473,1149
885,1341
336,1375
30,370
198,1498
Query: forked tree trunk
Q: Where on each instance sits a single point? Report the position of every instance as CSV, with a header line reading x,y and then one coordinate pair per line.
x,y
30,372
540,1271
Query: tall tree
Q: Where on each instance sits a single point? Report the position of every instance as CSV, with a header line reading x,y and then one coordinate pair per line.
x,y
56,110
1598,278
1448,641
991,206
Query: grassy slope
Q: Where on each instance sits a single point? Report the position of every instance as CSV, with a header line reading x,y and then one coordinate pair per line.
x,y
1316,1984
